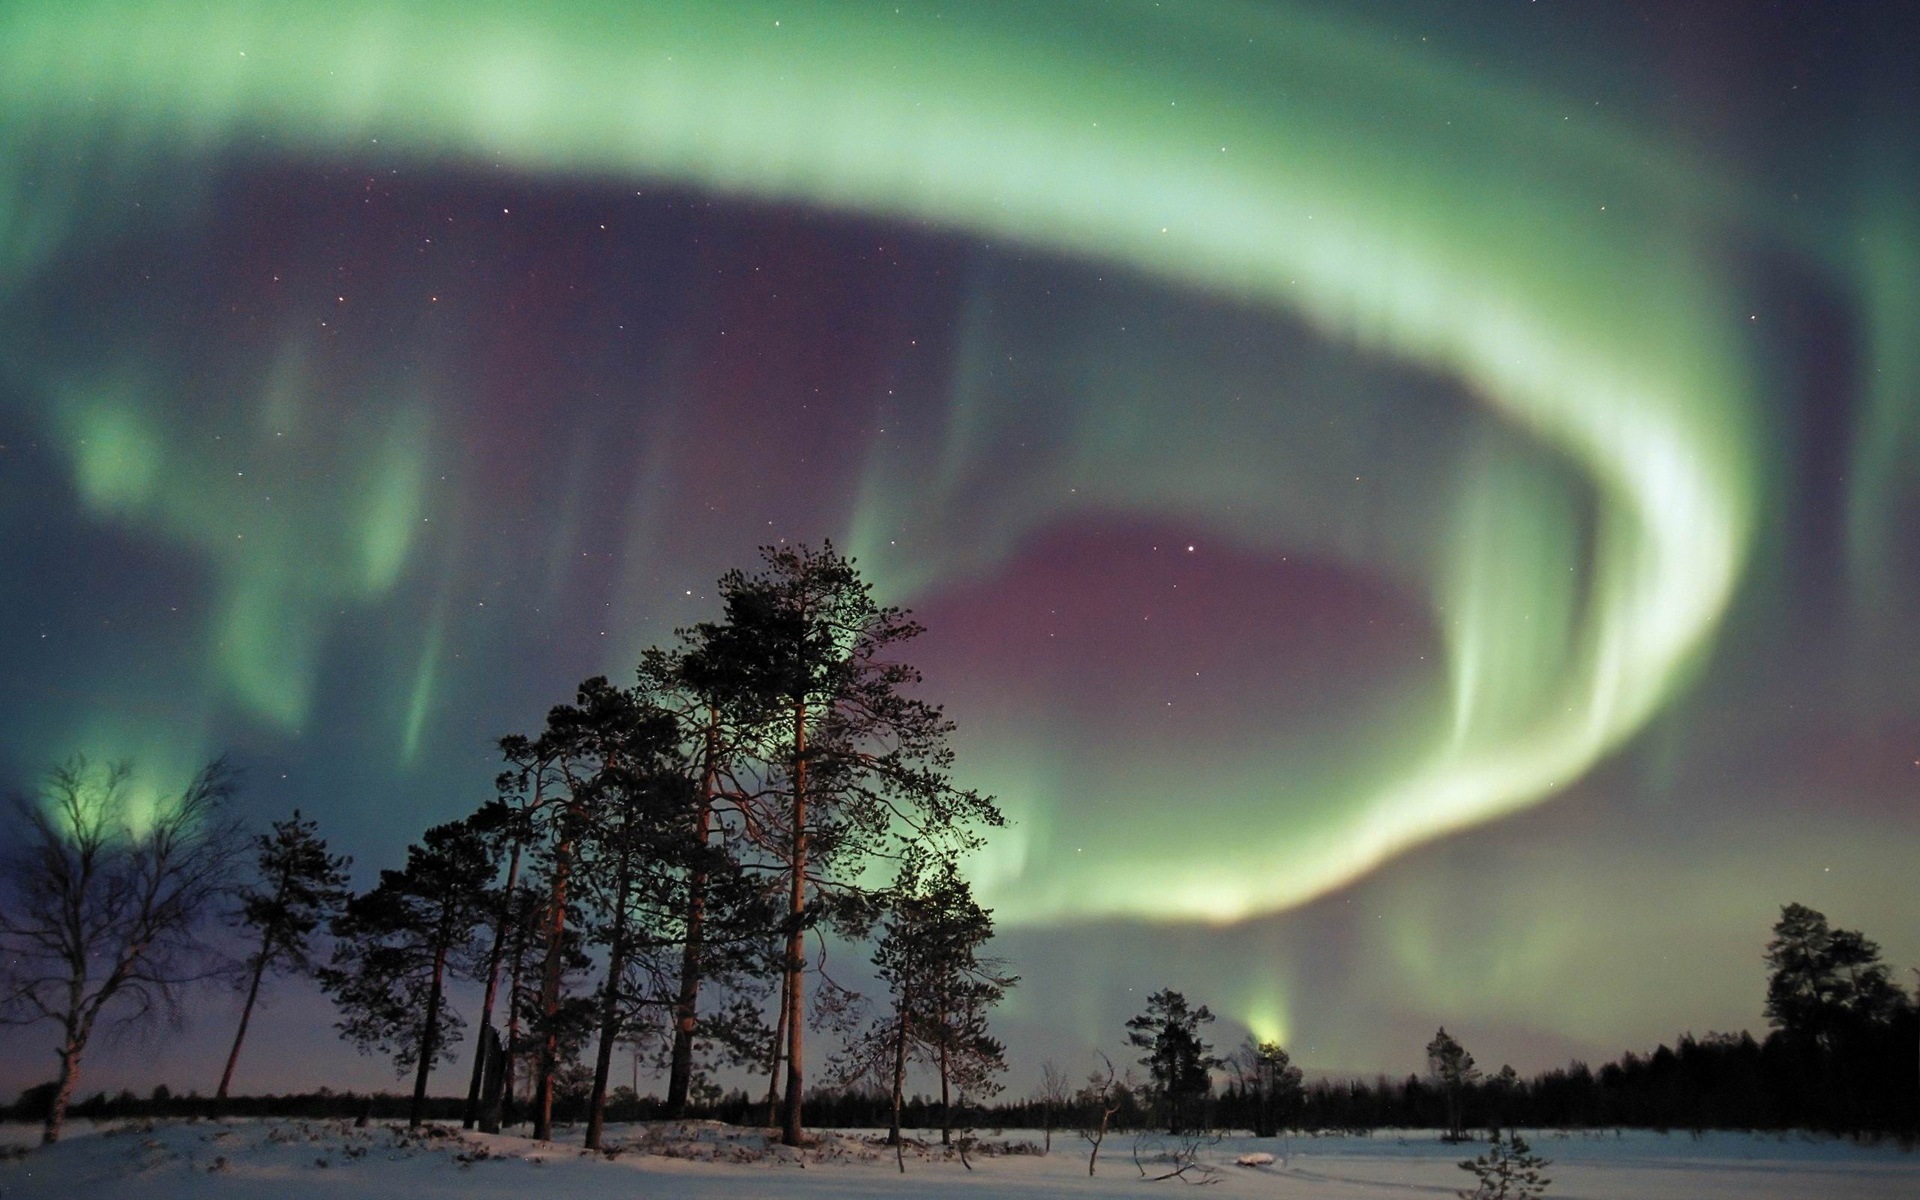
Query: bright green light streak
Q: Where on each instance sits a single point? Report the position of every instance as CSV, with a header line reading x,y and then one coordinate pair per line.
x,y
1884,477
1249,152
1265,1015
161,765
420,698
117,454
390,512
273,542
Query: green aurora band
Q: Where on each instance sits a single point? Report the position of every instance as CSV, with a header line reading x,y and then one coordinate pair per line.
x,y
1560,269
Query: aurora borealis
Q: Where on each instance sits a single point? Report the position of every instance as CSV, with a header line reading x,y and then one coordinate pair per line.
x,y
1415,511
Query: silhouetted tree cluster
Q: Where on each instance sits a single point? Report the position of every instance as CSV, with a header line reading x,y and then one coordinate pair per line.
x,y
940,989
1453,1071
1843,1056
664,859
1264,1074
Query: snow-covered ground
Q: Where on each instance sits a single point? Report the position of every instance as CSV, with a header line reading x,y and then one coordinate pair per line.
x,y
311,1160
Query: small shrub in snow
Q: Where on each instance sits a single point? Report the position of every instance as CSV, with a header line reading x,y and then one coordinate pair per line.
x,y
1181,1157
1509,1170
989,1149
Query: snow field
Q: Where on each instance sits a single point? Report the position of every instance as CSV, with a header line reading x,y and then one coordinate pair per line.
x,y
317,1160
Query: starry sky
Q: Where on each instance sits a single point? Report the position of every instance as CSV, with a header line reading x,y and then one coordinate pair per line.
x,y
1414,504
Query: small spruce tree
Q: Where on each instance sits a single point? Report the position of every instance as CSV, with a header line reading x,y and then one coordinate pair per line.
x,y
1509,1170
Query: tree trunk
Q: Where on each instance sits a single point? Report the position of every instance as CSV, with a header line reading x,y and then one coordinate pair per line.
x,y
428,1037
686,1009
946,1106
246,1015
63,1094
790,1130
610,1002
493,1117
494,957
550,987
899,1075
494,1055
777,1057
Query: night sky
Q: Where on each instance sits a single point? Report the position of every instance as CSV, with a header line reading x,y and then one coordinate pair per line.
x,y
1416,505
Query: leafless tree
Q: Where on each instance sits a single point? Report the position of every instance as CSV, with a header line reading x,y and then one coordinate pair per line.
x,y
1054,1094
1177,1154
1100,1099
104,903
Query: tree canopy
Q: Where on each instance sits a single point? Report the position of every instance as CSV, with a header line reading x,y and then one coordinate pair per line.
x,y
1178,1060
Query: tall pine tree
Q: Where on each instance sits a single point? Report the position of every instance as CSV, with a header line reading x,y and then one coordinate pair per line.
x,y
508,821
858,765
581,740
396,946
299,887
958,986
638,843
719,914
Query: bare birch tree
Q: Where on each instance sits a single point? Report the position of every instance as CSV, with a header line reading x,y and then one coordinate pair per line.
x,y
106,898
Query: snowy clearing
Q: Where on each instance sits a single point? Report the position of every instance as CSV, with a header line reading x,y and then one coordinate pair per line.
x,y
309,1160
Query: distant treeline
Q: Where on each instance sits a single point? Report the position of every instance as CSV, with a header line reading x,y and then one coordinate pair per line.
x,y
1720,1081
1717,1082
570,1108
